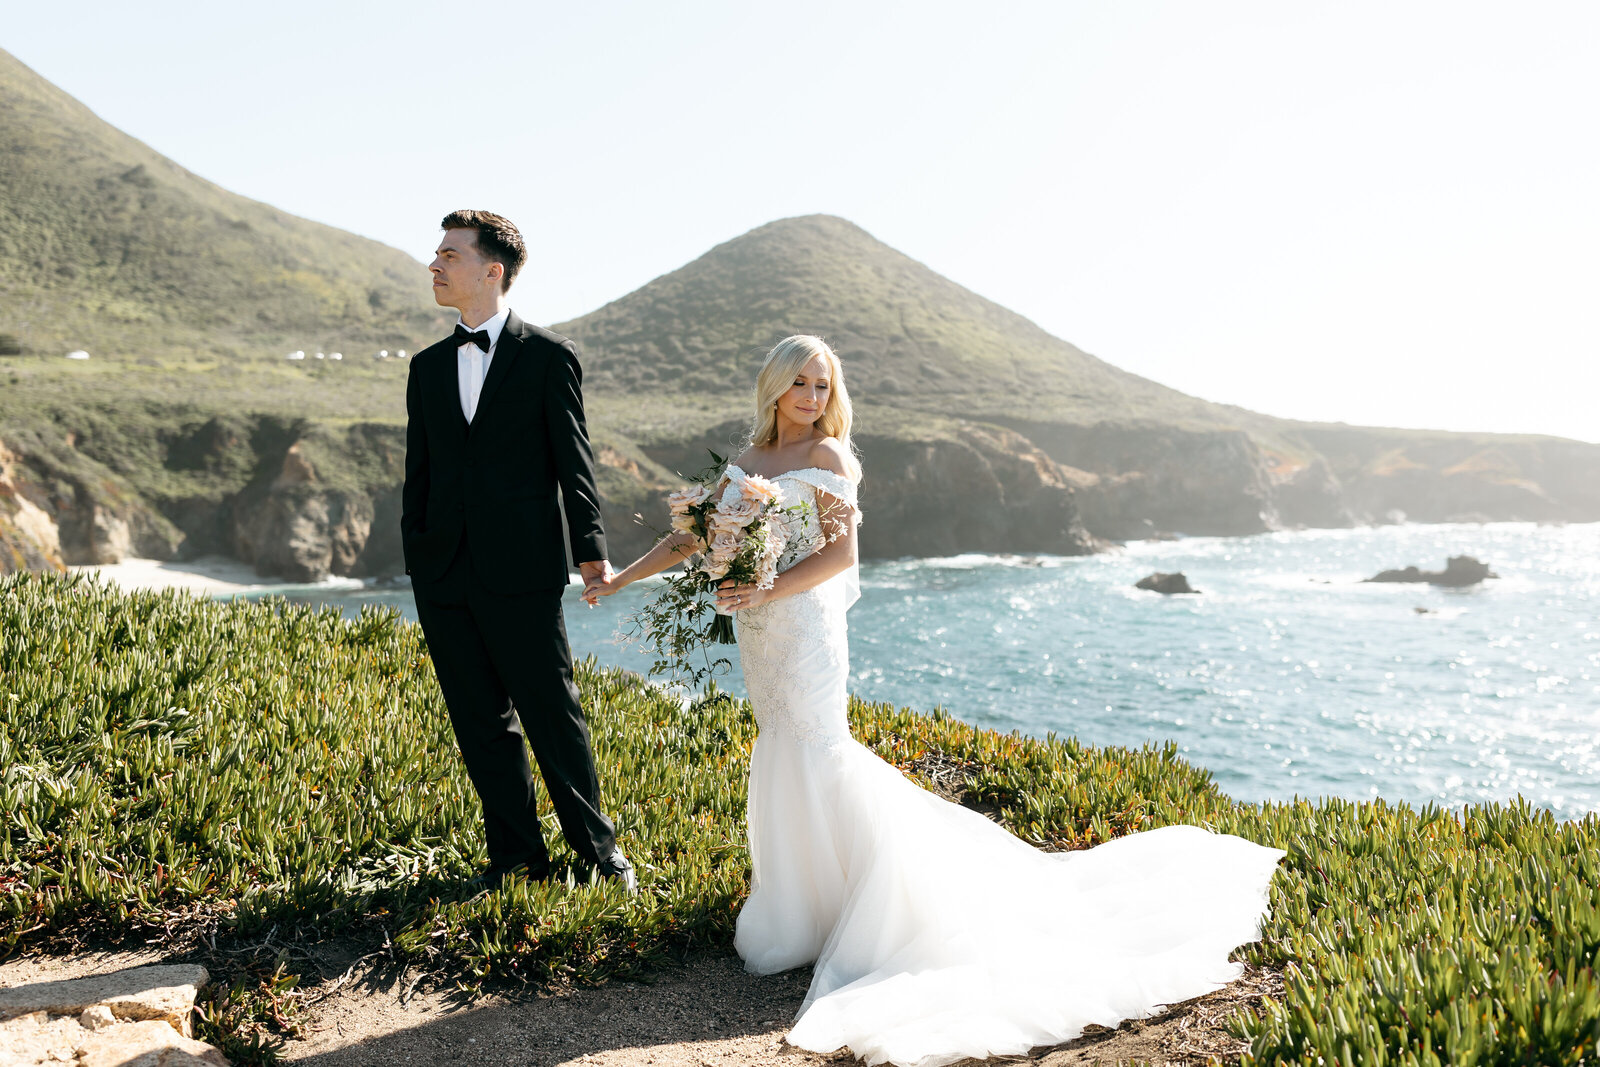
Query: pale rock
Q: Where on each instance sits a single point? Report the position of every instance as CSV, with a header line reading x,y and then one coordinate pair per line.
x,y
29,537
162,993
35,523
97,1017
145,1044
110,538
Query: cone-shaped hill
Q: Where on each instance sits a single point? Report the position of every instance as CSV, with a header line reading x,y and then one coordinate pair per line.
x,y
979,432
106,244
911,337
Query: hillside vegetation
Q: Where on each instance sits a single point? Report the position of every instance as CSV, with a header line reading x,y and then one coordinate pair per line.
x,y
185,771
110,246
979,431
914,339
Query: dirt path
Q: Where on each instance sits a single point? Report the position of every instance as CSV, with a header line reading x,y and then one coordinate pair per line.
x,y
706,1012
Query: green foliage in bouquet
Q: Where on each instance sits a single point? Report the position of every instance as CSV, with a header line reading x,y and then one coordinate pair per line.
x,y
680,625
175,770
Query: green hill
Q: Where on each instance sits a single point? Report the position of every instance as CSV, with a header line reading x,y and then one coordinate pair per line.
x,y
963,399
109,246
913,339
979,431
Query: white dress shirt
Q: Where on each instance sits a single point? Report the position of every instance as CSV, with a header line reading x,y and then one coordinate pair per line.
x,y
472,363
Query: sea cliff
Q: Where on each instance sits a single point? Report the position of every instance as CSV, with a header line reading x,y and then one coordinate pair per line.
x,y
302,499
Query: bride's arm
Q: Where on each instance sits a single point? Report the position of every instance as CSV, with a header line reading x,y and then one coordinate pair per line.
x,y
668,552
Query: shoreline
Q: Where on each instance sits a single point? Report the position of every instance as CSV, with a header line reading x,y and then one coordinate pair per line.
x,y
207,575
223,575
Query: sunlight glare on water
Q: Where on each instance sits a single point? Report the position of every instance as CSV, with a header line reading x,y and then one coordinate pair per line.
x,y
1286,676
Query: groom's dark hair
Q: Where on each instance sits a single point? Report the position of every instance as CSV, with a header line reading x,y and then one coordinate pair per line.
x,y
498,240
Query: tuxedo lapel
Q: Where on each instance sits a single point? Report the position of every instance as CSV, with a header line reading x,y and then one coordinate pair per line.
x,y
447,387
506,351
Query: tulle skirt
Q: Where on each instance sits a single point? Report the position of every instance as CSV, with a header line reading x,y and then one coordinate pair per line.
x,y
937,935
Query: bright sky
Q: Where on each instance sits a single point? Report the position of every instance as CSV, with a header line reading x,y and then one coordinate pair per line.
x,y
1376,212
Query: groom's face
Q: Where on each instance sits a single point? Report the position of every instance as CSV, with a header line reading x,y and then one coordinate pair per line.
x,y
461,274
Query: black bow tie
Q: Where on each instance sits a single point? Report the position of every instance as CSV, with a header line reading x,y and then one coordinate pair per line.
x,y
465,336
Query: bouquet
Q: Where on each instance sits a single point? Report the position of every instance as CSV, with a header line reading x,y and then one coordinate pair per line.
x,y
738,530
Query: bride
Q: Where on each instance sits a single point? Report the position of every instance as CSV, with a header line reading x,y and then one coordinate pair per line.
x,y
936,935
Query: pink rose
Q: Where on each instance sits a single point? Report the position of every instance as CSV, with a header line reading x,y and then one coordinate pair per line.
x,y
724,547
757,489
734,515
690,496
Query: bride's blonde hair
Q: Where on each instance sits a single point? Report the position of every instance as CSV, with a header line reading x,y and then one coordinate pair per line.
x,y
787,359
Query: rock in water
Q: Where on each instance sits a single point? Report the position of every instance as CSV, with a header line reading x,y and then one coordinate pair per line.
x,y
1463,570
1166,583
1458,571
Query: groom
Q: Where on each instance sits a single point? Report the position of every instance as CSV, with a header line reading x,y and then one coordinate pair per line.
x,y
494,424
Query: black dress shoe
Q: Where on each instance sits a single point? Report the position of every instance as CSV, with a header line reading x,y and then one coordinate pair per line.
x,y
495,876
617,866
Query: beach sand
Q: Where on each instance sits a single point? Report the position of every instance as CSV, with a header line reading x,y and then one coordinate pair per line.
x,y
208,575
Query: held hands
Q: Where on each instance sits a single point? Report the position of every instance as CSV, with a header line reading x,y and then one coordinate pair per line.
x,y
732,598
598,581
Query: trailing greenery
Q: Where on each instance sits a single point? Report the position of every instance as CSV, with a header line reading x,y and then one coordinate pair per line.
x,y
218,769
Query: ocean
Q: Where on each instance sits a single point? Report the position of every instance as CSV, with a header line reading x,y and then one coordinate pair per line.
x,y
1286,676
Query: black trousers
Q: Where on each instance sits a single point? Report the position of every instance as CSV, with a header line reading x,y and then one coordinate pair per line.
x,y
505,668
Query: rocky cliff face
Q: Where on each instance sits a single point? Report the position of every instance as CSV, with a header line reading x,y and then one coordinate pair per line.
x,y
1447,477
305,517
30,540
302,500
58,507
970,488
985,489
1142,479
298,501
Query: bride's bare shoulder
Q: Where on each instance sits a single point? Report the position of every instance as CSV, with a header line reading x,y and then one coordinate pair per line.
x,y
829,454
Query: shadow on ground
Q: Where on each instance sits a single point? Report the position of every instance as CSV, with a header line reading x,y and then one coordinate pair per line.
x,y
704,1011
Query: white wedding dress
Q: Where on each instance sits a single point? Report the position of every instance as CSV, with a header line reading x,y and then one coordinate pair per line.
x,y
936,934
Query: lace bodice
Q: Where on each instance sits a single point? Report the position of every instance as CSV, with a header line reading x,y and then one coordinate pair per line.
x,y
794,649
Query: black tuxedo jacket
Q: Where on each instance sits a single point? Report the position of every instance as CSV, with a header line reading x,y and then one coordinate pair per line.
x,y
494,482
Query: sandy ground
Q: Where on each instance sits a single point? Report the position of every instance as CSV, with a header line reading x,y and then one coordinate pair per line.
x,y
705,1012
210,575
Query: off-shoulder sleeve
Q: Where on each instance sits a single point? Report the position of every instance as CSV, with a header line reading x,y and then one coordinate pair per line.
x,y
843,490
835,485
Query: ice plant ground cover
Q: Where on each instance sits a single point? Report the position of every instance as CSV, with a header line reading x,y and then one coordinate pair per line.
x,y
182,770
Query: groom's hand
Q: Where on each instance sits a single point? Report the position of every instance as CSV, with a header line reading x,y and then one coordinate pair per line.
x,y
596,576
